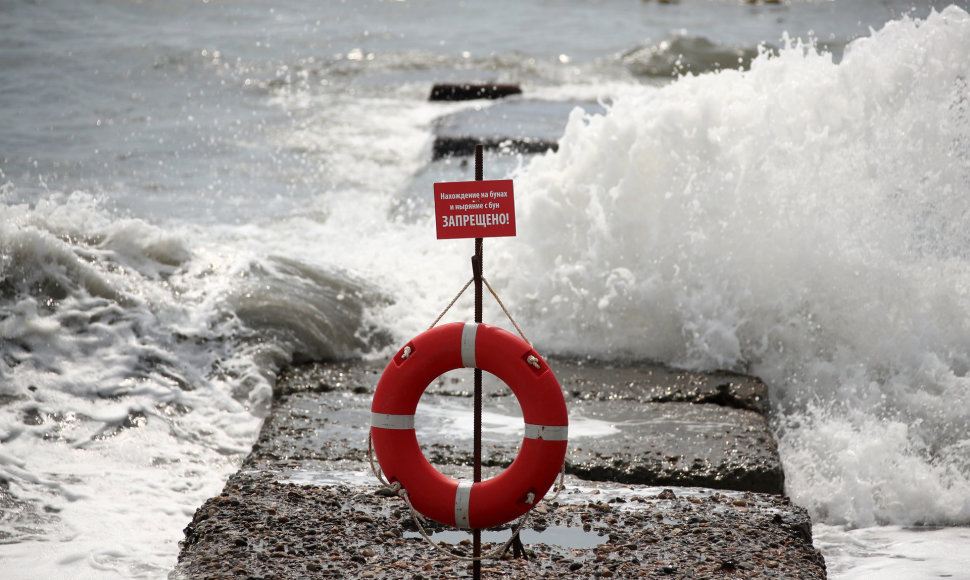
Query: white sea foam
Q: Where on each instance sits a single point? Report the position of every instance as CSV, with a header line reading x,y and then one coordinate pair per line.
x,y
893,552
805,221
136,370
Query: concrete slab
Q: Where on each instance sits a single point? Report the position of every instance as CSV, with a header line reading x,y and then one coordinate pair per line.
x,y
305,504
261,527
516,125
688,429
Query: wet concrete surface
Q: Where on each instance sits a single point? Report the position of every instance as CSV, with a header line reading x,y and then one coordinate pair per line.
x,y
260,527
672,474
639,424
514,125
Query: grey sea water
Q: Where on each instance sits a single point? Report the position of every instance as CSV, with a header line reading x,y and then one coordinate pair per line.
x,y
193,194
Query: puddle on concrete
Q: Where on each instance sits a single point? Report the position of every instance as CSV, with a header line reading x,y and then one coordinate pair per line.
x,y
561,536
451,418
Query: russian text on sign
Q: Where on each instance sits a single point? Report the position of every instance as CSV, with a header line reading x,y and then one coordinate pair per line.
x,y
474,209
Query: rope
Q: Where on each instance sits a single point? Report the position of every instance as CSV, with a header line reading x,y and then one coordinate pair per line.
x,y
452,303
373,467
497,299
506,311
560,485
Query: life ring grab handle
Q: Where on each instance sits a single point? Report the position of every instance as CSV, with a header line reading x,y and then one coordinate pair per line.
x,y
468,358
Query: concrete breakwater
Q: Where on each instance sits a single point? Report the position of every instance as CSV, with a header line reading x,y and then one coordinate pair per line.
x,y
670,474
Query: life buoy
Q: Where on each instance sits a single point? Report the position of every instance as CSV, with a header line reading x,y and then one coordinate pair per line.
x,y
506,496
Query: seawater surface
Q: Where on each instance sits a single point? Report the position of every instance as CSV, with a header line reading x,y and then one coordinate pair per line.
x,y
194,194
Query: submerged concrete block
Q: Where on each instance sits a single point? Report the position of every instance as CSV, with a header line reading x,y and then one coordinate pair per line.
x,y
517,126
471,91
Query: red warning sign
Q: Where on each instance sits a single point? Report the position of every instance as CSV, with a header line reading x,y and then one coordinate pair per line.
x,y
474,209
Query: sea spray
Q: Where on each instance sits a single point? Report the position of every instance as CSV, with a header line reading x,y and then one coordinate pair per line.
x,y
251,199
806,221
136,365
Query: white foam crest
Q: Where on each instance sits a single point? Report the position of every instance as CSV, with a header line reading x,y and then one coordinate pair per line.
x,y
893,552
105,386
803,220
856,469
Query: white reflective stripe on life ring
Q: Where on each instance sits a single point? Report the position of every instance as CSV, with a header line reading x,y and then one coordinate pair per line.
x,y
463,496
468,334
546,432
386,421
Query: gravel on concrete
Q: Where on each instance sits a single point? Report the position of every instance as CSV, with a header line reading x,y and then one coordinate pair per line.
x,y
305,505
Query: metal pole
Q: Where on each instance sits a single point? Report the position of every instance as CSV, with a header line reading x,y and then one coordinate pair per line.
x,y
477,272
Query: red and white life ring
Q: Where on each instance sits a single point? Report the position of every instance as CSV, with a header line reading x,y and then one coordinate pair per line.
x,y
506,496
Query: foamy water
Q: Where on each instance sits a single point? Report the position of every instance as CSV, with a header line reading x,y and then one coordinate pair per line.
x,y
217,204
804,221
